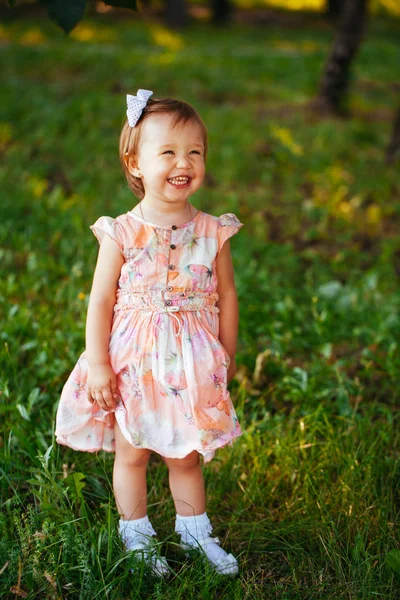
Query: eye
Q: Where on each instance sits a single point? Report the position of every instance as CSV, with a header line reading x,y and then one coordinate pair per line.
x,y
167,151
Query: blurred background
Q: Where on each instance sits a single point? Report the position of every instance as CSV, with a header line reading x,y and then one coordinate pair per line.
x,y
301,100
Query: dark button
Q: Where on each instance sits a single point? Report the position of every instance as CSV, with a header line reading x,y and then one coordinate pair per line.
x,y
172,267
168,302
170,288
174,227
173,246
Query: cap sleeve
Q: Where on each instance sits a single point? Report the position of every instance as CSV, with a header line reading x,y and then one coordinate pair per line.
x,y
228,225
108,226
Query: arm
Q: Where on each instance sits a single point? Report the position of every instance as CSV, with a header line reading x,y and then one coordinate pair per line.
x,y
228,305
101,378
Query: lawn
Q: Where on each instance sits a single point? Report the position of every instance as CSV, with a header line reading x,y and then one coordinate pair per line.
x,y
307,498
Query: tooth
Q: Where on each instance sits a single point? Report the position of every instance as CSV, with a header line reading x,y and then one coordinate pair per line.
x,y
180,179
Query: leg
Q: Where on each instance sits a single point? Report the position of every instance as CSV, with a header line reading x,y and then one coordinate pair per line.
x,y
187,484
192,523
129,477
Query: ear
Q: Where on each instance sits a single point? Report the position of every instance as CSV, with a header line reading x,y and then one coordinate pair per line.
x,y
131,164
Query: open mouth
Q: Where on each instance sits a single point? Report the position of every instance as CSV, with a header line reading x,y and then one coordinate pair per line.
x,y
180,182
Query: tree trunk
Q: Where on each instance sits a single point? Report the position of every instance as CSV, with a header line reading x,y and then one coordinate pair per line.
x,y
335,79
334,8
394,144
176,15
221,11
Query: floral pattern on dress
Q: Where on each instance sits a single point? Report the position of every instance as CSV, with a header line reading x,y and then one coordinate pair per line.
x,y
171,367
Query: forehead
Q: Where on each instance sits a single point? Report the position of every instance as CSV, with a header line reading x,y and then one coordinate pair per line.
x,y
157,131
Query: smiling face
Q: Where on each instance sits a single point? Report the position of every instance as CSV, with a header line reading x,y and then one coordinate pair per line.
x,y
170,161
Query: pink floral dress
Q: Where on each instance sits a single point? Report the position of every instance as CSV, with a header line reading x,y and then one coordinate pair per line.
x,y
171,367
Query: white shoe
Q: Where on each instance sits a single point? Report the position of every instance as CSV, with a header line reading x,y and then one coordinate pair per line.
x,y
137,537
195,535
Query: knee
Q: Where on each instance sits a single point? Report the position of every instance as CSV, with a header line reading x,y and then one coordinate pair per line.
x,y
188,462
136,459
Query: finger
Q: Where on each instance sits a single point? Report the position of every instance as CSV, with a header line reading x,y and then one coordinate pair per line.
x,y
114,389
99,400
108,398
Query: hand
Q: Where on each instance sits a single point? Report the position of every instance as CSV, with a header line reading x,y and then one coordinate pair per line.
x,y
102,386
231,370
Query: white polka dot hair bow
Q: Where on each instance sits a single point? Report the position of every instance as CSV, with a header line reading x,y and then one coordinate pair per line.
x,y
136,105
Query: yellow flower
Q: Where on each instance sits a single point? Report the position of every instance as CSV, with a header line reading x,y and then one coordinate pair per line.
x,y
374,214
37,185
345,209
164,37
32,37
85,32
392,6
286,139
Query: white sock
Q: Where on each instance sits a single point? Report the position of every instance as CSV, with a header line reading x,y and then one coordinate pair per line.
x,y
136,532
195,531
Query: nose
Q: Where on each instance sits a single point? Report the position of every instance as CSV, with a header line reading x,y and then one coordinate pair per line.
x,y
182,162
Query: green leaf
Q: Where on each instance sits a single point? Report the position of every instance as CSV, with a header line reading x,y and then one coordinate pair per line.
x,y
66,14
326,350
393,560
76,479
33,397
302,377
33,481
330,289
23,412
79,483
44,458
47,454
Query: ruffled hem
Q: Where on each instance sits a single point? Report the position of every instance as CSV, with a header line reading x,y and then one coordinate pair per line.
x,y
207,453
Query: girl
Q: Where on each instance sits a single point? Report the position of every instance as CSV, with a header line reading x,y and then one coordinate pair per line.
x,y
161,333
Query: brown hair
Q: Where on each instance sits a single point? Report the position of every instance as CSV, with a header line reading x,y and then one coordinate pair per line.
x,y
130,136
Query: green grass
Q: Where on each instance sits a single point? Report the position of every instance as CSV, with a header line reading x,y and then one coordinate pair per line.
x,y
308,497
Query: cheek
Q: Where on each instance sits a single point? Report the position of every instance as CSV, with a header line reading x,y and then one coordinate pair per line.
x,y
157,174
201,171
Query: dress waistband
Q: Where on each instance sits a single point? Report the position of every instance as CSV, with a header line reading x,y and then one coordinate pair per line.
x,y
166,302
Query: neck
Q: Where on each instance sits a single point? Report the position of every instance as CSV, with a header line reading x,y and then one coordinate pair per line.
x,y
162,208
